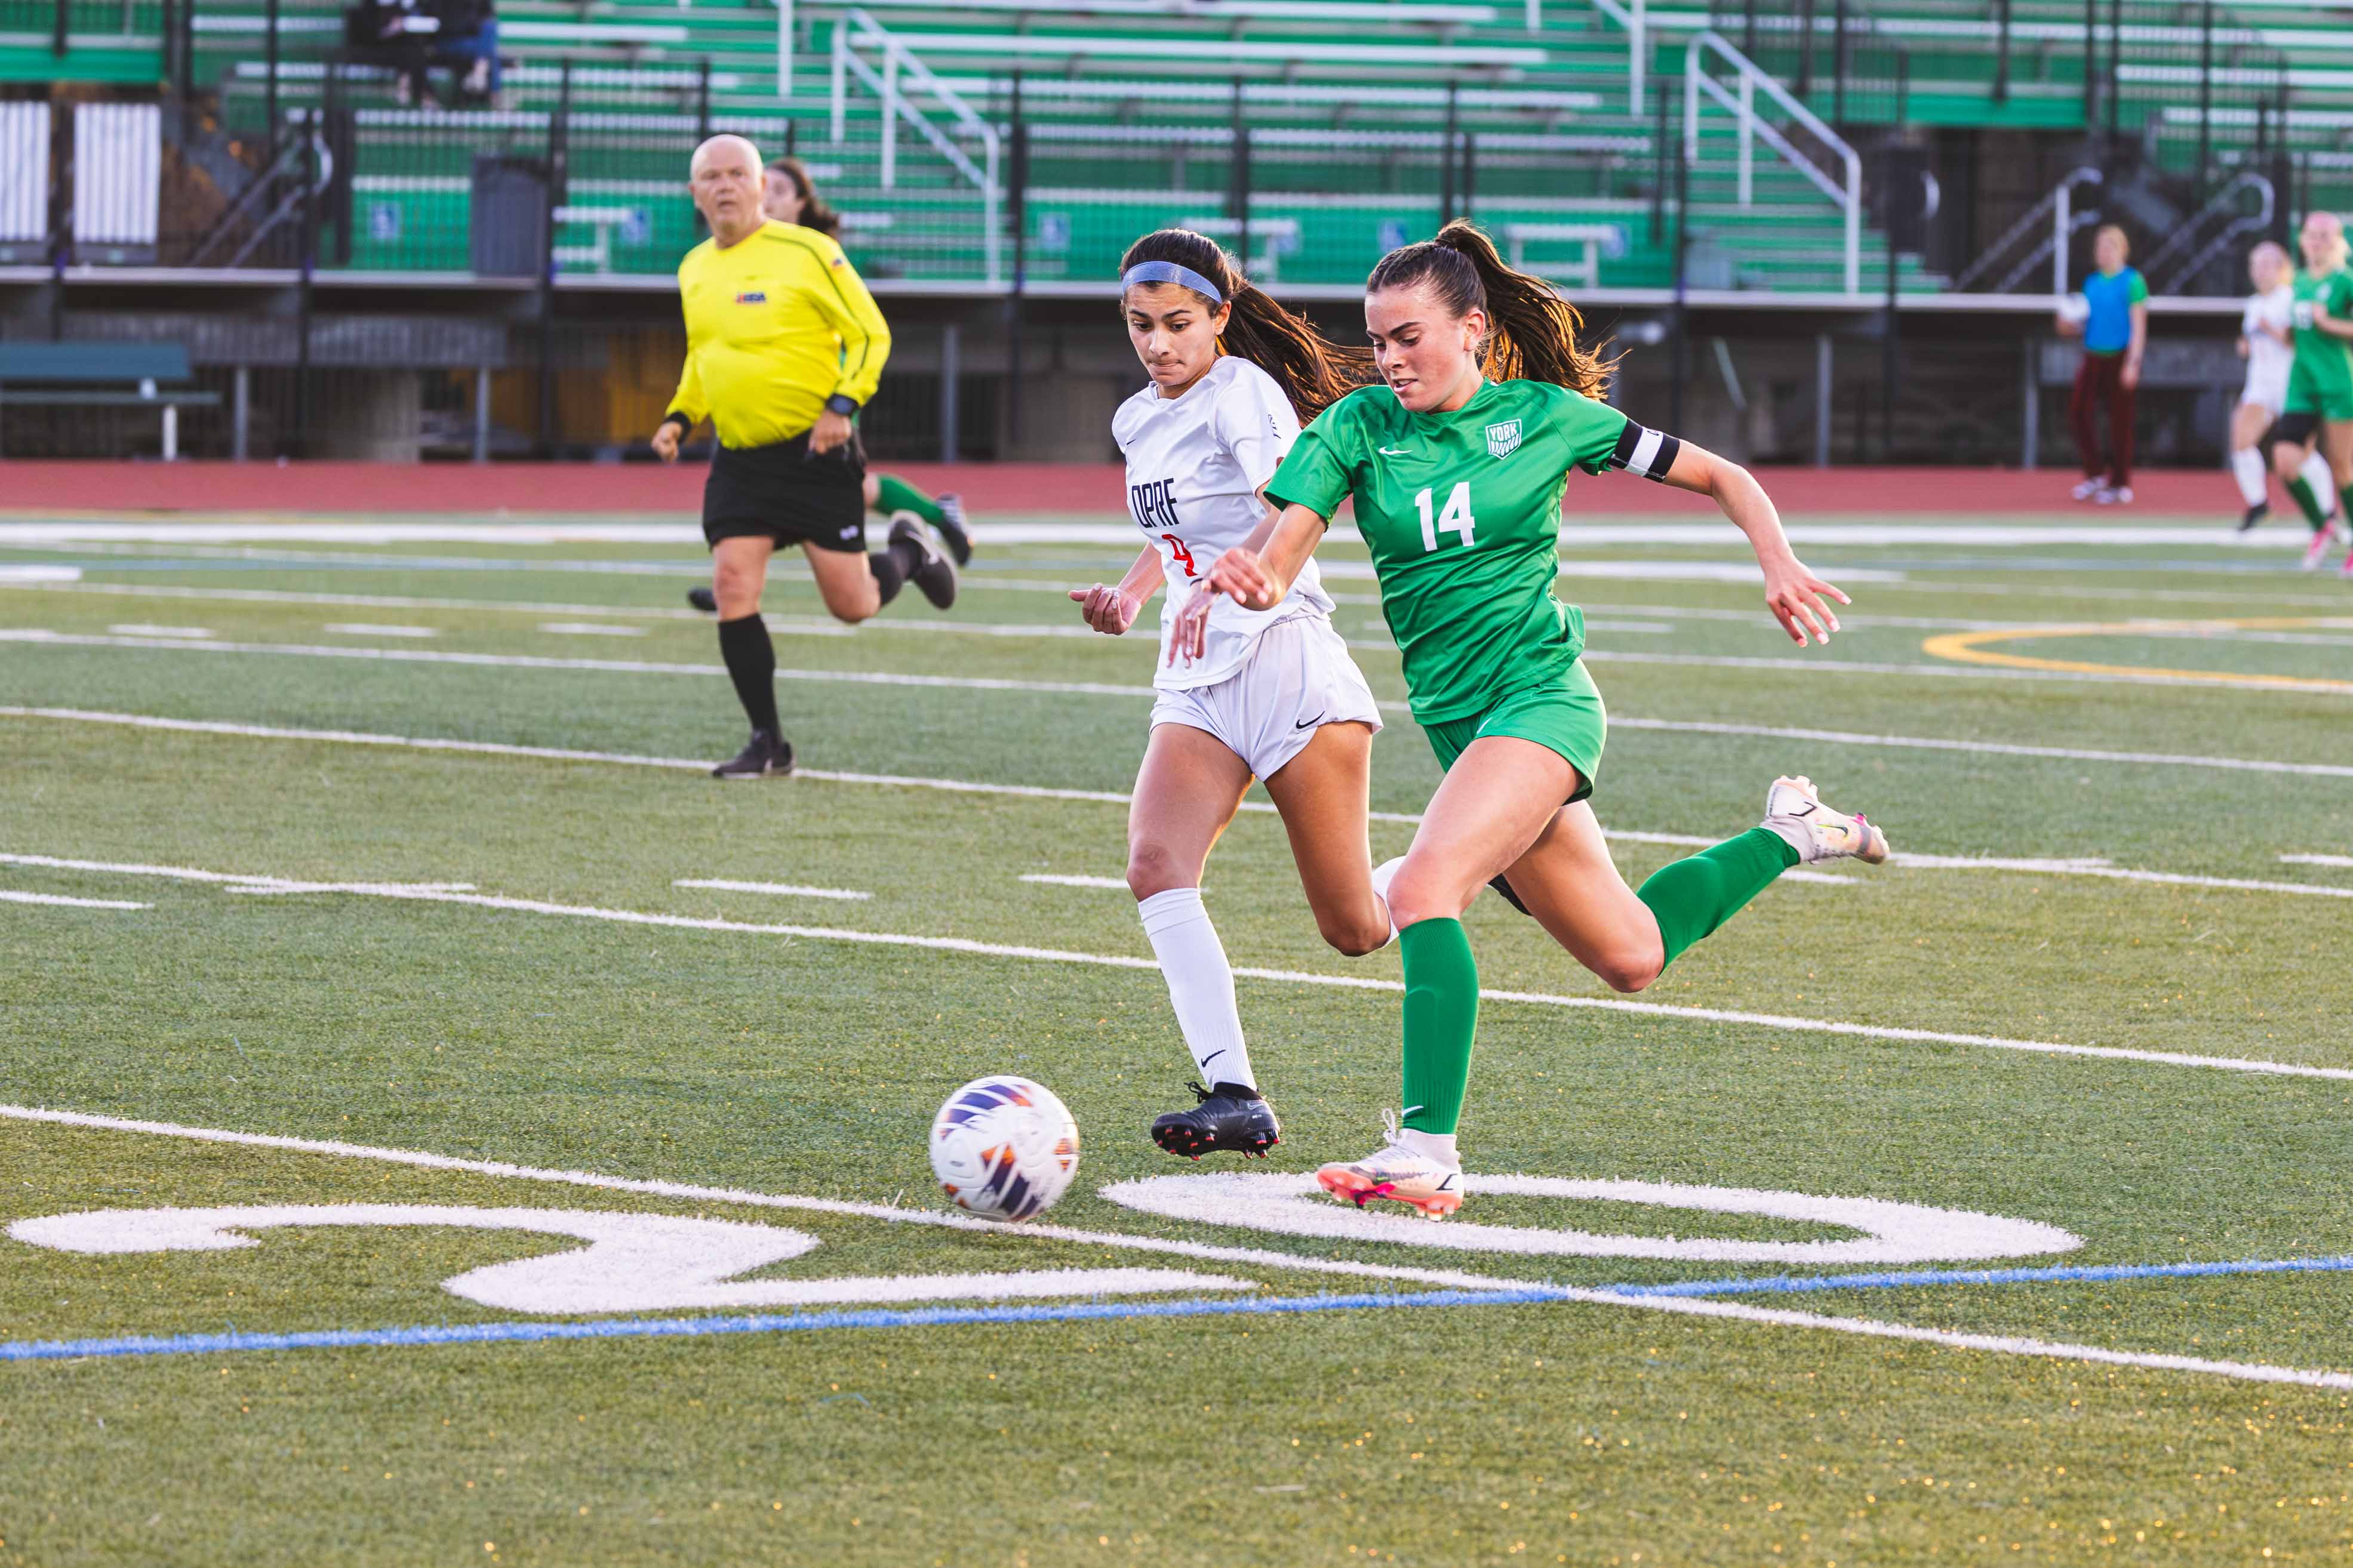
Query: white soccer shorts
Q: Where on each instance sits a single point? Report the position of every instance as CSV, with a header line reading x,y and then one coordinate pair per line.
x,y
1298,677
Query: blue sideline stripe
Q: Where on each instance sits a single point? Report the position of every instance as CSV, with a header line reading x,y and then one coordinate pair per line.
x,y
1078,1311
762,1324
1788,1284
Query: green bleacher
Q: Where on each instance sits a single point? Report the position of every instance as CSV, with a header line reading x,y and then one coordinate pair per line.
x,y
1364,119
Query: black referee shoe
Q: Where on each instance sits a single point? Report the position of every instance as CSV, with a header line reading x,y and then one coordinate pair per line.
x,y
934,574
704,599
2255,514
766,755
1229,1118
954,530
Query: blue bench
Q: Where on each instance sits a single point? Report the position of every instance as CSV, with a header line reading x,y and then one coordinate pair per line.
x,y
104,375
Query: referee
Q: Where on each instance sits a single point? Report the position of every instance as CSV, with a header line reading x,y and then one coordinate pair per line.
x,y
782,345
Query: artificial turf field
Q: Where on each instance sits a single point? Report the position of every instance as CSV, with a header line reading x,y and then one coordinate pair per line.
x,y
484,954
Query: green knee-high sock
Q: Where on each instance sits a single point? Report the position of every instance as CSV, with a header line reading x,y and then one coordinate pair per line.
x,y
2308,503
1441,1015
1692,897
2345,502
895,495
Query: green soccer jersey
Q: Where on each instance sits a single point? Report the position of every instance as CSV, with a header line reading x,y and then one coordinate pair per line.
x,y
2322,360
1461,513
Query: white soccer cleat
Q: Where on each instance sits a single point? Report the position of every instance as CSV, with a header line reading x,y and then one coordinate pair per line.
x,y
1398,1173
1794,811
2086,488
1383,875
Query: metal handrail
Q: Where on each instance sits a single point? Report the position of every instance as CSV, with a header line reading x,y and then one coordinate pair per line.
x,y
2186,234
1752,127
858,25
1635,18
2054,200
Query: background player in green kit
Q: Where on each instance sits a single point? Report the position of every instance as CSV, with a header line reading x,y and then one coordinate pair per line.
x,y
2321,383
1458,481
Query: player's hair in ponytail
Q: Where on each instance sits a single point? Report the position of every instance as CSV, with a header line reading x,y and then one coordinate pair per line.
x,y
1313,371
1531,330
815,212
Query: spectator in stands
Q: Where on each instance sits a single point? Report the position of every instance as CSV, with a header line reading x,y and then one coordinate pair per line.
x,y
468,46
788,194
2114,330
414,36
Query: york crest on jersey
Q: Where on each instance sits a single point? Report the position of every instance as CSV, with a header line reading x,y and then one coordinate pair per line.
x,y
1504,440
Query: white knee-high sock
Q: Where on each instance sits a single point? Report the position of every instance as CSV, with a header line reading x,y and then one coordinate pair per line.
x,y
2247,467
1200,984
2315,472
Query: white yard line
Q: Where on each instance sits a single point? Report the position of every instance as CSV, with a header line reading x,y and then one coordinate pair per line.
x,y
1988,748
457,893
1108,884
376,629
659,531
9,895
589,630
2297,685
2076,867
2341,862
1735,1312
779,890
144,630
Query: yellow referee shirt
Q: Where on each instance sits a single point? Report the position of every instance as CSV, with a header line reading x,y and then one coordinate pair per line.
x,y
775,324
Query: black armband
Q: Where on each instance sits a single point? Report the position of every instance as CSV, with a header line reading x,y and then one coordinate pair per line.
x,y
1645,452
841,402
685,426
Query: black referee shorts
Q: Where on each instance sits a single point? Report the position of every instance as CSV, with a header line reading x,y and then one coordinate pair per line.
x,y
783,492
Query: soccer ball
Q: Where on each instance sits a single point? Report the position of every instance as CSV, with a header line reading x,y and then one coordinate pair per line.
x,y
2075,310
1004,1147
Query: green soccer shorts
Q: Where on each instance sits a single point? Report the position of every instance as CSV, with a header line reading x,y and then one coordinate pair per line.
x,y
1567,718
2310,393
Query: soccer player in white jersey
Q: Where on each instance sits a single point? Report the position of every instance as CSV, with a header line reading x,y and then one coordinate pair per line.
x,y
1271,693
2267,343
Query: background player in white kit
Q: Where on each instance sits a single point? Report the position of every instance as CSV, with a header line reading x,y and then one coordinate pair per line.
x,y
1270,694
2268,345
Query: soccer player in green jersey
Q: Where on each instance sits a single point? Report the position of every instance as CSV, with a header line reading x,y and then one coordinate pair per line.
x,y
2321,383
1457,463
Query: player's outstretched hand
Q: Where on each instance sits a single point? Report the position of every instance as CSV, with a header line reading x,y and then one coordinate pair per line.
x,y
1190,634
666,439
1107,610
1796,597
831,430
1241,576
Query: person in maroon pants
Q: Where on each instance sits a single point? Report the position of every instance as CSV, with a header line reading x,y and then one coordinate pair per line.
x,y
2114,321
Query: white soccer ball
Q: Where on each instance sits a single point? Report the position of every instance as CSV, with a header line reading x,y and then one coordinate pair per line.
x,y
1004,1147
2075,310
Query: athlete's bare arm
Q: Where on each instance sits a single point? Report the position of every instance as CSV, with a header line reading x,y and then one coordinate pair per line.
x,y
1794,594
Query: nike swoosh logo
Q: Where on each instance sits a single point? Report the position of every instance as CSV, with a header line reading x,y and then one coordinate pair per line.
x,y
1311,723
1393,451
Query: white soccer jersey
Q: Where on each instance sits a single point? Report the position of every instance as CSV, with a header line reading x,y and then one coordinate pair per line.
x,y
2268,359
1194,466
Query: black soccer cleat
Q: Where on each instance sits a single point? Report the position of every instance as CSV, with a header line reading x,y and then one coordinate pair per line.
x,y
2255,514
953,529
704,599
1228,1118
766,755
934,574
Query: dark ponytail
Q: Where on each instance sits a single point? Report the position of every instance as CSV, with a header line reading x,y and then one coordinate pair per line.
x,y
1531,330
815,212
1313,371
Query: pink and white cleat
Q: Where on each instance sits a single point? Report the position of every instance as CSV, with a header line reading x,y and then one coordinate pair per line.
x,y
2316,551
1397,1173
1794,811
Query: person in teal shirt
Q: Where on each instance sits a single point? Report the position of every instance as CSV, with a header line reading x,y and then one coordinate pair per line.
x,y
2115,334
1487,410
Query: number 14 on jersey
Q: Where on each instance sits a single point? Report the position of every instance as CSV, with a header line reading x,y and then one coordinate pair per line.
x,y
1453,518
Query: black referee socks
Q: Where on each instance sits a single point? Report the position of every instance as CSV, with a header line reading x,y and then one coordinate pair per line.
x,y
752,664
892,567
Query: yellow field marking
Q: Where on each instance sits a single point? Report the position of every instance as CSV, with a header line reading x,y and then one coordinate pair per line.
x,y
1969,647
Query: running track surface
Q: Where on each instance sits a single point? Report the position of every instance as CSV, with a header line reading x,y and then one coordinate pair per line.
x,y
577,489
